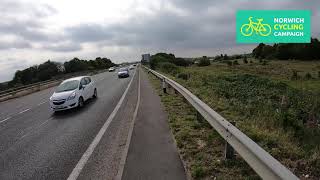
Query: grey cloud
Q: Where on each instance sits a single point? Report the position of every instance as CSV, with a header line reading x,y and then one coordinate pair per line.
x,y
11,65
63,47
14,44
24,20
19,8
164,30
88,33
209,24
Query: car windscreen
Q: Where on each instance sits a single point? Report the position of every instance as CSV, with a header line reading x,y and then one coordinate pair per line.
x,y
68,86
123,69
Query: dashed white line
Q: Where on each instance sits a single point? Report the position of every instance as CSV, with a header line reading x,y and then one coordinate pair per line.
x,y
24,111
85,157
34,129
6,119
41,103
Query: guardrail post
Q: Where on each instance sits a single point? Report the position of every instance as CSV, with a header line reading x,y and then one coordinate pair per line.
x,y
164,86
229,151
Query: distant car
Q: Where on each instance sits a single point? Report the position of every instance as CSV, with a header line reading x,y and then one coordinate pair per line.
x,y
72,93
134,65
111,69
123,73
131,67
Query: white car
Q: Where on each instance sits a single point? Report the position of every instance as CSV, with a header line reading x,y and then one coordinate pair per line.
x,y
111,69
73,93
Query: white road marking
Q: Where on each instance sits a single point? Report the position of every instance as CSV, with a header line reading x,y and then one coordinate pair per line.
x,y
24,111
41,103
126,148
34,129
6,119
85,157
20,112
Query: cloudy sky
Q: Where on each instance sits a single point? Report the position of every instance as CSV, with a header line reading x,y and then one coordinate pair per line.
x,y
33,31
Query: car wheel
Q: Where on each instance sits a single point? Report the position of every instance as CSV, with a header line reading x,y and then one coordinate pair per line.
x,y
80,102
95,93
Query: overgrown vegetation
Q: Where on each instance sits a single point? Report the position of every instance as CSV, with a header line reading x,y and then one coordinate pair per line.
x,y
200,146
276,103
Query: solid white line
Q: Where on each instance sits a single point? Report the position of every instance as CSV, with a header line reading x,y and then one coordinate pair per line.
x,y
24,111
85,157
126,148
6,119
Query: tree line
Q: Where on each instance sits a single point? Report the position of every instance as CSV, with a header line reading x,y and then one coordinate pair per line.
x,y
50,69
286,51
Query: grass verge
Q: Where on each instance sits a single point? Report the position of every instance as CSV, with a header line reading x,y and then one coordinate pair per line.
x,y
200,146
276,111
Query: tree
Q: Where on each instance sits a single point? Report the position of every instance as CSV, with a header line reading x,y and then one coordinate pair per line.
x,y
204,61
47,70
285,51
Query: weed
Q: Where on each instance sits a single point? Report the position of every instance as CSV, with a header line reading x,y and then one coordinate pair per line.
x,y
245,61
308,76
295,75
183,76
235,62
270,104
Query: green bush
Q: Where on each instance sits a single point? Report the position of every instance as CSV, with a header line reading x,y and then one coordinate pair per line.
x,y
204,62
170,68
264,62
295,75
198,172
308,76
183,76
245,61
319,74
181,62
229,63
235,62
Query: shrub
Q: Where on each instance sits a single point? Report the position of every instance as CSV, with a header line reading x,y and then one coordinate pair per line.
x,y
204,62
308,76
235,62
198,172
229,63
294,75
264,62
169,68
245,61
319,74
251,62
181,62
183,76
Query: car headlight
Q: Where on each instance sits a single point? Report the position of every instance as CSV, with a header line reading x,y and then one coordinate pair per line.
x,y
72,96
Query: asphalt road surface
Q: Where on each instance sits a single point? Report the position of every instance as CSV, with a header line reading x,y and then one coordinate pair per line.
x,y
36,143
